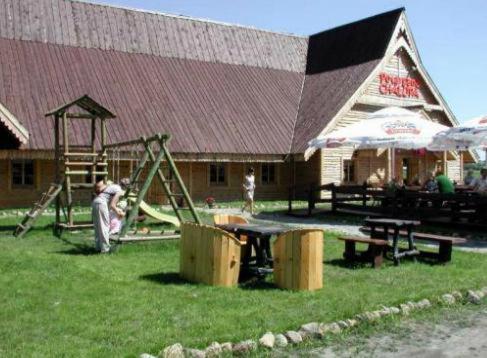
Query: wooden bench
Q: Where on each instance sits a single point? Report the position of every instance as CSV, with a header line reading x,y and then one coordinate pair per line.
x,y
445,243
374,253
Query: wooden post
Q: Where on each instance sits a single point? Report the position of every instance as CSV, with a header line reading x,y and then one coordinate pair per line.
x,y
57,169
190,178
134,210
445,163
389,175
177,177
103,139
333,198
165,184
461,167
93,150
364,195
67,179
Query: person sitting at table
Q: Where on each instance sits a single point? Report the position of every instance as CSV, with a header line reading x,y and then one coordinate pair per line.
x,y
445,185
416,181
479,185
430,185
469,179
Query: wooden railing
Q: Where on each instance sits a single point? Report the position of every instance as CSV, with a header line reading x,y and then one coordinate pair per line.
x,y
401,203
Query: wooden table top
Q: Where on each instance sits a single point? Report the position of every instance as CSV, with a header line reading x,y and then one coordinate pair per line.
x,y
392,222
255,229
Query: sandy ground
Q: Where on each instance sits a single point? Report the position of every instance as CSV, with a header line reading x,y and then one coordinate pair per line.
x,y
458,334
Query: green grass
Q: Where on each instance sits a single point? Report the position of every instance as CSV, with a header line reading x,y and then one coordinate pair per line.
x,y
58,299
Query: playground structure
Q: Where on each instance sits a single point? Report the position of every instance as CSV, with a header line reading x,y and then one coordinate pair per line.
x,y
77,167
155,152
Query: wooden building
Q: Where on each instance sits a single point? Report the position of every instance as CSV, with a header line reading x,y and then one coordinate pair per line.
x,y
231,96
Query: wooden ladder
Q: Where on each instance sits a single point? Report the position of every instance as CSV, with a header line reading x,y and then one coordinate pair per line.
x,y
39,207
153,162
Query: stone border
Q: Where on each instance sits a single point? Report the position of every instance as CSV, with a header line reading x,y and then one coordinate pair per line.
x,y
315,330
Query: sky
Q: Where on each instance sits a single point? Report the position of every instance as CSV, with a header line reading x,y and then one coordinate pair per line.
x,y
451,35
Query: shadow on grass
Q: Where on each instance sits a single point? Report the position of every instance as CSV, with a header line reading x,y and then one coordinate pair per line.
x,y
257,283
165,278
77,248
173,278
348,264
7,229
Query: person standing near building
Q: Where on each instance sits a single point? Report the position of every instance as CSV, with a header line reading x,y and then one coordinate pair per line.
x,y
249,188
107,196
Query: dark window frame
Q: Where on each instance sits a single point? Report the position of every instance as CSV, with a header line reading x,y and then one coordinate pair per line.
x,y
348,173
19,177
217,174
268,176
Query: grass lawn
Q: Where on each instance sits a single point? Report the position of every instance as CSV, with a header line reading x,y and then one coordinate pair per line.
x,y
58,299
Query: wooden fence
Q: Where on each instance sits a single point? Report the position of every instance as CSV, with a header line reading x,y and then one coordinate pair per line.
x,y
463,207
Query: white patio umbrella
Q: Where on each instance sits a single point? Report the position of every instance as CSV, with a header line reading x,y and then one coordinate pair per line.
x,y
391,127
470,135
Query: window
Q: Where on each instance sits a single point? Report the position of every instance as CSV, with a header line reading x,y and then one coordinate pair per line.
x,y
22,173
268,173
217,174
348,171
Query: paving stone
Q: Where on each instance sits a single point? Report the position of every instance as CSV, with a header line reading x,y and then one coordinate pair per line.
x,y
267,340
332,328
311,330
213,350
174,351
405,309
244,347
280,340
293,337
226,347
448,299
194,353
424,304
395,310
472,297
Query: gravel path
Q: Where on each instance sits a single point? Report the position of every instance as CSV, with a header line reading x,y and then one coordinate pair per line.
x,y
455,334
335,224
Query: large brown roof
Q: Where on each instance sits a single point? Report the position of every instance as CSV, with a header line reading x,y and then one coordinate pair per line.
x,y
339,61
216,88
89,25
207,107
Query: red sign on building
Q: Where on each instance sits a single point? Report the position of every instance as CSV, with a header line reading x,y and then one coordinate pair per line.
x,y
398,86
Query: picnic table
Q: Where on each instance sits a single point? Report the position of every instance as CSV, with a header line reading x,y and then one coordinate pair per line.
x,y
258,236
394,225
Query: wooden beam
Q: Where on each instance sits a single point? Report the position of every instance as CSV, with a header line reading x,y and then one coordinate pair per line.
x,y
57,154
67,179
154,138
81,115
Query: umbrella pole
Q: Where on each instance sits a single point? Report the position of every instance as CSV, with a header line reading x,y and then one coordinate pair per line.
x,y
393,164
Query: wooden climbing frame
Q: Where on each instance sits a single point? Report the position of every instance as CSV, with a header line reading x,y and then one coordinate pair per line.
x,y
155,152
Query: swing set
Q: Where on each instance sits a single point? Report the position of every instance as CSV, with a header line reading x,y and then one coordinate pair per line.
x,y
77,168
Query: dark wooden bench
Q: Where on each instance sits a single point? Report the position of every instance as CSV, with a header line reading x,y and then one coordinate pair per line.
x,y
374,253
445,243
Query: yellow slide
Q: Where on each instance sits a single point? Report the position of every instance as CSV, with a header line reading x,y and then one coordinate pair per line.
x,y
157,215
